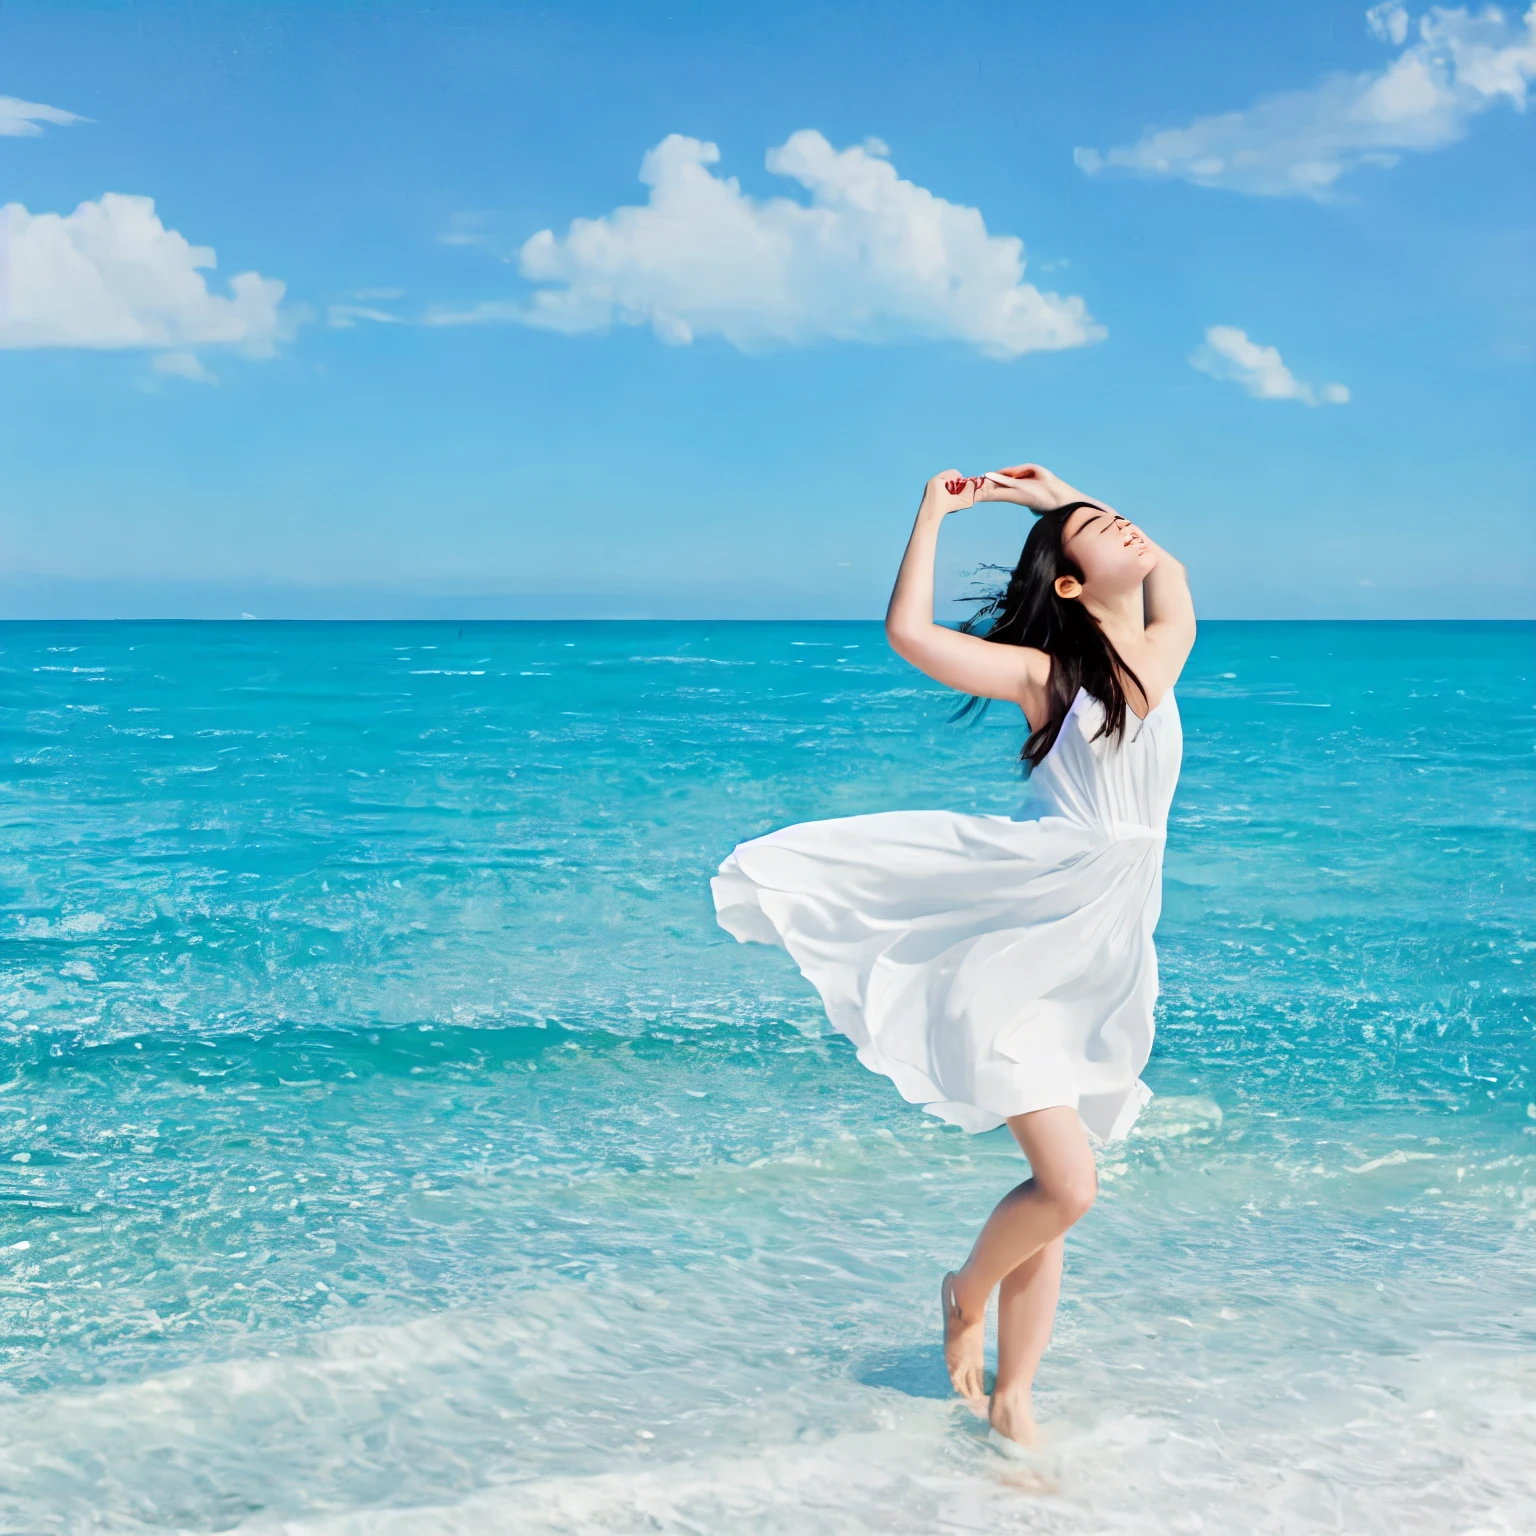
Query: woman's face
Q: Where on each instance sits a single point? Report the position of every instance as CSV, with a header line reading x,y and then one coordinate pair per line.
x,y
1111,551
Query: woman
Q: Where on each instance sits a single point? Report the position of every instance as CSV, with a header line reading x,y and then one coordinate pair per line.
x,y
1000,970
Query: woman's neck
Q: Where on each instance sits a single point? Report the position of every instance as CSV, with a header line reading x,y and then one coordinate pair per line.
x,y
1123,618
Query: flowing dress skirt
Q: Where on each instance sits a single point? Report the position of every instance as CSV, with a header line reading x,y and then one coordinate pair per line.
x,y
988,966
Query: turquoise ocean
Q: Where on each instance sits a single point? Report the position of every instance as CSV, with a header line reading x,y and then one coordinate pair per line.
x,y
390,1142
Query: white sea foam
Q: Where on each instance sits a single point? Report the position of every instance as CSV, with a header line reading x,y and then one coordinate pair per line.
x,y
463,1424
1174,1115
717,1400
696,661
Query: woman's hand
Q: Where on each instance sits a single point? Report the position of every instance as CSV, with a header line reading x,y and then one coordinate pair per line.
x,y
1027,485
950,491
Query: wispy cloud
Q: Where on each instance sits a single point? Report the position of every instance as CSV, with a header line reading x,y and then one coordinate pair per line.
x,y
342,317
484,230
362,304
111,275
1299,143
867,257
25,119
1227,353
183,365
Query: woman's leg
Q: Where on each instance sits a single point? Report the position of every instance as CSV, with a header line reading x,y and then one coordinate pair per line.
x,y
1026,1312
1063,1184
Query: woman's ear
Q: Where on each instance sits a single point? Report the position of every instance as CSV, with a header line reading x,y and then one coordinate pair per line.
x,y
1068,586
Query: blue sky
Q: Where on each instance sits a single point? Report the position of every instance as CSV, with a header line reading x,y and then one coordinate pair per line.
x,y
727,402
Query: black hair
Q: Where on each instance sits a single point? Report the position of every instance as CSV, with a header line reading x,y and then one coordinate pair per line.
x,y
1029,611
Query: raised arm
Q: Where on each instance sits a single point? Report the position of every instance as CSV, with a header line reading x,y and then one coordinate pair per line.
x,y
1169,608
966,663
1168,613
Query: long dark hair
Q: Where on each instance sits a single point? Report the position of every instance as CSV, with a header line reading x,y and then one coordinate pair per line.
x,y
1028,611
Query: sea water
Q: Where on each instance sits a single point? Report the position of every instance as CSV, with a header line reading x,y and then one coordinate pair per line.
x,y
390,1142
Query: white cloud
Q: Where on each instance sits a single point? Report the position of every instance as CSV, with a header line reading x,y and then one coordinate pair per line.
x,y
342,317
1227,353
111,275
1389,22
482,229
182,365
1300,142
363,304
869,257
23,119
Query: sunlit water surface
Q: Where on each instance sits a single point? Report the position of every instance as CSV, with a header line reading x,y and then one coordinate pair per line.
x,y
391,1143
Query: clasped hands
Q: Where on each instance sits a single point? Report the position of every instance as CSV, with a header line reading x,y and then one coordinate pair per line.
x,y
1026,485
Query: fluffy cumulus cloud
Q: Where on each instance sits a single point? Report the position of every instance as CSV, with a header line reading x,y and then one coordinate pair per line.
x,y
25,119
1227,353
111,275
866,256
1452,66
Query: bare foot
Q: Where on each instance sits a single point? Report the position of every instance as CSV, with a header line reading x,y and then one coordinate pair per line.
x,y
964,1345
1011,1415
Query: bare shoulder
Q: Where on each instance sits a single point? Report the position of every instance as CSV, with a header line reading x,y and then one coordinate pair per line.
x,y
1158,664
1169,645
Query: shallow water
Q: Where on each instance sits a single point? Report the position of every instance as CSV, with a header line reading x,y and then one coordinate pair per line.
x,y
390,1142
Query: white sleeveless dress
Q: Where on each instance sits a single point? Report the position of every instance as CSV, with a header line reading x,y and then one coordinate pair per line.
x,y
987,965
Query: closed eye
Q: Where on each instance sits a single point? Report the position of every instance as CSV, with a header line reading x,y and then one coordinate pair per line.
x,y
1108,525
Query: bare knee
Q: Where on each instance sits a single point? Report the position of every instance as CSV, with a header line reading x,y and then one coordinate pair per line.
x,y
1055,1141
1073,1195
